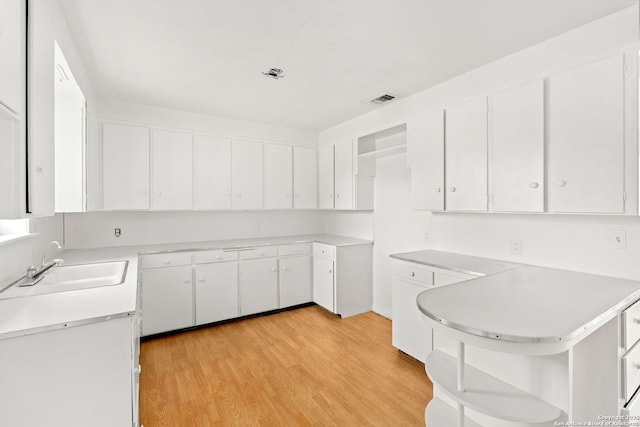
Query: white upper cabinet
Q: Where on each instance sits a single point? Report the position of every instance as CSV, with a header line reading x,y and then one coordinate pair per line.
x,y
517,149
12,107
12,52
425,157
586,138
247,174
466,156
343,174
172,170
325,177
125,164
305,178
41,110
212,173
278,177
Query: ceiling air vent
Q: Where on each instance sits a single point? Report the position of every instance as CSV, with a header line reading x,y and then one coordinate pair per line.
x,y
274,73
383,99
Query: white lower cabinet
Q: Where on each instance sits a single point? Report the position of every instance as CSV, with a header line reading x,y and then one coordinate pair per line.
x,y
410,333
323,285
71,377
216,292
190,288
167,299
295,281
343,277
258,284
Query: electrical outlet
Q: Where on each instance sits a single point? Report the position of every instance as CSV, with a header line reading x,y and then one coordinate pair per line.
x,y
516,247
618,239
426,236
117,232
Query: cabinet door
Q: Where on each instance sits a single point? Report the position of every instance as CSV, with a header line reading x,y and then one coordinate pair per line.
x,y
410,332
258,286
246,172
466,156
41,128
12,51
167,300
212,172
344,174
11,187
425,157
172,170
305,178
295,281
325,177
125,167
586,138
216,292
517,149
323,287
278,177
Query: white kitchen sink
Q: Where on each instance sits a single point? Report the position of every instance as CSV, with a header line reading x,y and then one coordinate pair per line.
x,y
72,278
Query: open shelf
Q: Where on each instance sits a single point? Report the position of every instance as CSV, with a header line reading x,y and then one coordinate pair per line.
x,y
487,394
439,414
398,149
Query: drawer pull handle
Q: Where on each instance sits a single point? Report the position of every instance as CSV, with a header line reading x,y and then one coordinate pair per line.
x,y
274,269
218,257
201,279
187,280
413,274
167,261
636,320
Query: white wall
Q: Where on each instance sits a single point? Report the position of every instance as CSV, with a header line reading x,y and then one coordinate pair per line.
x,y
397,227
48,229
572,242
90,230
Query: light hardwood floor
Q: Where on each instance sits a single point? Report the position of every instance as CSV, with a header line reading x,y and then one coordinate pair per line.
x,y
294,368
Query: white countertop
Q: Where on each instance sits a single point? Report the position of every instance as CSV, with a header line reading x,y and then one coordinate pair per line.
x,y
476,266
21,316
26,315
521,303
330,239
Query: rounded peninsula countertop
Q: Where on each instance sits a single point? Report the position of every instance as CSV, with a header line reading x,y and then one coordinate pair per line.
x,y
529,304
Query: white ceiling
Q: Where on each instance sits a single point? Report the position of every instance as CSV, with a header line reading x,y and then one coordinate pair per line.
x,y
207,55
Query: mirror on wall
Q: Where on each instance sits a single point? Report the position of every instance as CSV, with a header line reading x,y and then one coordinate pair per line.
x,y
70,138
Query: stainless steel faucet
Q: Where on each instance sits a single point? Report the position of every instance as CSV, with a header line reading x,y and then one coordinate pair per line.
x,y
34,272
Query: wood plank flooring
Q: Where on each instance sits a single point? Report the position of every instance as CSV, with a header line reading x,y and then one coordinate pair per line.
x,y
294,368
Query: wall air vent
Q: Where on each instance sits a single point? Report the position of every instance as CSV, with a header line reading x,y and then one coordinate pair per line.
x,y
383,99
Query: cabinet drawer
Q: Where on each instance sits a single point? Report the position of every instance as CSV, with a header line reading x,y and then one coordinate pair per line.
x,y
631,322
414,274
165,260
440,279
324,251
262,252
631,372
297,249
205,257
